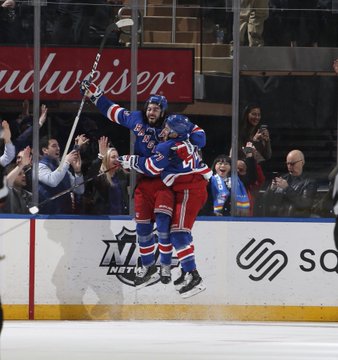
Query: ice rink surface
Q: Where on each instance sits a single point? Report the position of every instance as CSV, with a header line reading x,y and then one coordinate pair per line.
x,y
162,340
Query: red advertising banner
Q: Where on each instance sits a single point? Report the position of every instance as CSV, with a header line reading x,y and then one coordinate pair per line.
x,y
160,71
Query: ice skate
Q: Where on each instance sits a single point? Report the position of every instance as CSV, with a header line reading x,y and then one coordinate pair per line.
x,y
146,276
194,284
165,274
180,281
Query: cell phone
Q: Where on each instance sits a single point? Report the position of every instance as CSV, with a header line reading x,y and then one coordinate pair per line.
x,y
275,174
247,150
76,147
262,128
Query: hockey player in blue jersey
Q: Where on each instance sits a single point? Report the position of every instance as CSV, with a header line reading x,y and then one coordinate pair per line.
x,y
188,179
153,200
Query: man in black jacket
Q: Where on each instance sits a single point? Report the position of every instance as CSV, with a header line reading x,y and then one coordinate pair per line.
x,y
293,194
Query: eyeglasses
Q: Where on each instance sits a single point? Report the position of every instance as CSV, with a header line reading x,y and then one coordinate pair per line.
x,y
293,163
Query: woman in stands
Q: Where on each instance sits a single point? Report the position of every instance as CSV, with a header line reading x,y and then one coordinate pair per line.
x,y
251,130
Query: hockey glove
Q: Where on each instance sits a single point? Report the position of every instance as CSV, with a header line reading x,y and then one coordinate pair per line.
x,y
129,162
90,90
184,149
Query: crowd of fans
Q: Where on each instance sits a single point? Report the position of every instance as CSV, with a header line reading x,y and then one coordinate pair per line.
x,y
103,190
290,194
91,182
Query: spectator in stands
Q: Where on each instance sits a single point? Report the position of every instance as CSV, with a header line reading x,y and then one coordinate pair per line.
x,y
25,137
8,153
28,168
302,22
220,186
71,25
253,132
251,174
218,12
104,14
54,179
15,124
275,33
18,199
293,194
25,129
90,148
253,14
109,193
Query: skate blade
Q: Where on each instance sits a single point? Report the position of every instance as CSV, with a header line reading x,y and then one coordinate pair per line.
x,y
194,291
154,278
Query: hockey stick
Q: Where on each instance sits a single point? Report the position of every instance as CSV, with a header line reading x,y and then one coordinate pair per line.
x,y
112,27
35,209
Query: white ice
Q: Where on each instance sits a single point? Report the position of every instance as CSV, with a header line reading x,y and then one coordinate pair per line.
x,y
162,340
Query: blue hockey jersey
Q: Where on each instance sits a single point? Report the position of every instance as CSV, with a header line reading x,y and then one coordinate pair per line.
x,y
147,137
166,163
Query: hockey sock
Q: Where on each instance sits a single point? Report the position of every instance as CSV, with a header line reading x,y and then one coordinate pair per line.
x,y
185,252
164,244
146,243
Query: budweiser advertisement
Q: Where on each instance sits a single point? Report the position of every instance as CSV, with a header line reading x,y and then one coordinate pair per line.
x,y
160,71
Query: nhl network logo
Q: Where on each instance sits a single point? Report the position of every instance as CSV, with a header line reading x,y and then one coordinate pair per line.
x,y
122,256
262,261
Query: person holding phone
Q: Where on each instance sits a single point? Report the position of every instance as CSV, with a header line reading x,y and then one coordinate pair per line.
x,y
291,194
251,130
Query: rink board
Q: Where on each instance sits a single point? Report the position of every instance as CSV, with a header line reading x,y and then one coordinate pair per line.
x,y
83,268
